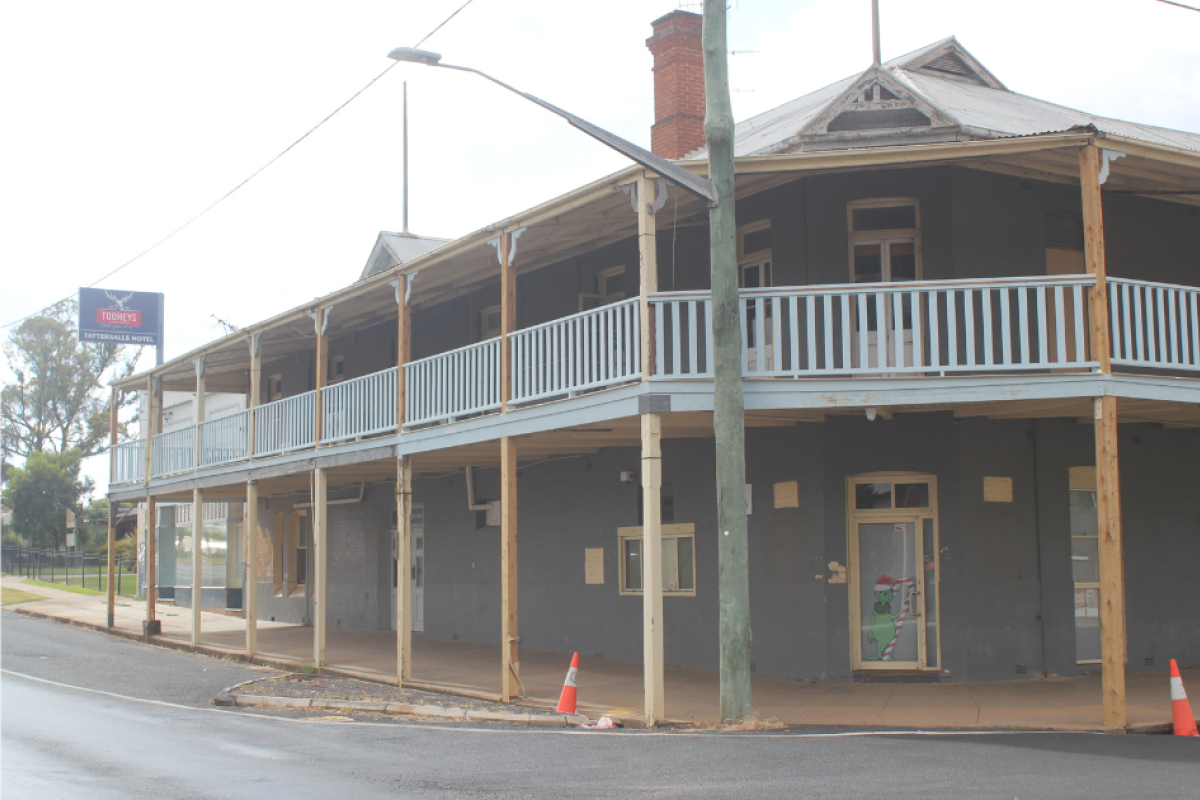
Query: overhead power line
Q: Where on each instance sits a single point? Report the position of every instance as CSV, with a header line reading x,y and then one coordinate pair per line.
x,y
1181,5
254,175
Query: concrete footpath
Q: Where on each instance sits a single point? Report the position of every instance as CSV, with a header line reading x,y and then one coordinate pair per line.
x,y
609,686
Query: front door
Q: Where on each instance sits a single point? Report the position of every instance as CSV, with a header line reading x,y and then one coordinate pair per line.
x,y
894,572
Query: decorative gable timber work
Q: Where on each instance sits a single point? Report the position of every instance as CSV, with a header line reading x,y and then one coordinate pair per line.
x,y
950,60
877,104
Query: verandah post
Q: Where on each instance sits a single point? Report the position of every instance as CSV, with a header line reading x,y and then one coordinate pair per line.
x,y
250,593
320,563
509,637
197,562
112,507
403,572
652,576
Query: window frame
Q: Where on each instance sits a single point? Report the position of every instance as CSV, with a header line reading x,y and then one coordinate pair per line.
x,y
600,297
486,332
272,380
685,530
884,237
1077,478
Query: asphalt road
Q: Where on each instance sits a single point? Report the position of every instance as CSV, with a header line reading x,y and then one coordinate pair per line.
x,y
65,734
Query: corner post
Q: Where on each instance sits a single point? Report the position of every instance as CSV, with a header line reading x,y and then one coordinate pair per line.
x,y
508,317
113,409
652,580
319,569
152,425
509,637
250,592
197,562
648,272
1108,489
403,571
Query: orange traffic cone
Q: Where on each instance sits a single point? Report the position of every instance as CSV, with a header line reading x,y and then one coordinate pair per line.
x,y
566,701
1181,710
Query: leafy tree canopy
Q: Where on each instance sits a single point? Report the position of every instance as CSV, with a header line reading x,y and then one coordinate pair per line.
x,y
57,402
41,492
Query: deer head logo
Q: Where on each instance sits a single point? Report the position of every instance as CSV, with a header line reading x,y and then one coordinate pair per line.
x,y
119,301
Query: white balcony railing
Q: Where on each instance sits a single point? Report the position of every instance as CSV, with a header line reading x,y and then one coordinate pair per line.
x,y
919,327
224,440
284,425
1154,325
174,452
360,407
128,460
452,385
584,351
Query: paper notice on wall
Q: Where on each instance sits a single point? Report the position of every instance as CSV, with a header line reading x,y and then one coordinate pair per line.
x,y
787,494
997,490
593,566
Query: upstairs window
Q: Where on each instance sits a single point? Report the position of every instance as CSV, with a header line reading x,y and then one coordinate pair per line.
x,y
885,240
489,323
610,288
754,255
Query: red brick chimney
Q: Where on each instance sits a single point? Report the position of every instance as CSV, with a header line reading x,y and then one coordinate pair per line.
x,y
678,84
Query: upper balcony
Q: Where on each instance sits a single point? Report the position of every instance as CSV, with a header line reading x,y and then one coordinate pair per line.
x,y
916,328
929,274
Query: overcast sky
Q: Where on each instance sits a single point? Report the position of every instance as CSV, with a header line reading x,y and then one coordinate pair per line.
x,y
125,119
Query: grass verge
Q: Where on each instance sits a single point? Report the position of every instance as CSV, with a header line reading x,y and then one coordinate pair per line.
x,y
11,597
62,587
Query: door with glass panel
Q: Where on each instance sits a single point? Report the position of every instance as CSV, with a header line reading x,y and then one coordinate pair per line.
x,y
885,243
893,565
1085,564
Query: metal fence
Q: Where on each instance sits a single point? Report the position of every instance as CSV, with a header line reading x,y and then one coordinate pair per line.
x,y
83,570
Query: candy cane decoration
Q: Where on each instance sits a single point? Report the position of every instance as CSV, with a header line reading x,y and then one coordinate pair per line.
x,y
911,583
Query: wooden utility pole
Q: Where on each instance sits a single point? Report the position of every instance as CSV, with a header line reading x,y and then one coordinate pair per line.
x,y
1108,477
728,409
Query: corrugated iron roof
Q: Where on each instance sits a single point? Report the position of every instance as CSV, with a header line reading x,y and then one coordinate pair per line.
x,y
987,111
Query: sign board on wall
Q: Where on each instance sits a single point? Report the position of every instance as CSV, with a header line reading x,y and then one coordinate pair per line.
x,y
113,317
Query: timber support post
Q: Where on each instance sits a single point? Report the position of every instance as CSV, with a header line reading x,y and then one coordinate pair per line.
x,y
198,406
508,316
320,564
113,408
151,626
250,590
403,347
197,562
652,572
728,407
509,636
1108,480
648,269
321,371
255,389
403,571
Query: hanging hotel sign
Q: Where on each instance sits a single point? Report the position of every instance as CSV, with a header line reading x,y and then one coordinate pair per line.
x,y
106,315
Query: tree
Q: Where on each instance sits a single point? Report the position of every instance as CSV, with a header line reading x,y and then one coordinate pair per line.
x,y
57,402
41,492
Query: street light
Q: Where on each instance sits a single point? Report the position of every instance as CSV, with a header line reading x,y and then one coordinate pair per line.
x,y
702,188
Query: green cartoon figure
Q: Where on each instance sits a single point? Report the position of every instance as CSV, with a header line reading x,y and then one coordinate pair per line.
x,y
882,628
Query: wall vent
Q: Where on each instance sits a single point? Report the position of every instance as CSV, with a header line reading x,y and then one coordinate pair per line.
x,y
1020,669
753,667
1148,661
